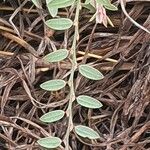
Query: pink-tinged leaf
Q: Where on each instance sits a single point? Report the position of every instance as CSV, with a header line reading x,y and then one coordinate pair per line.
x,y
101,16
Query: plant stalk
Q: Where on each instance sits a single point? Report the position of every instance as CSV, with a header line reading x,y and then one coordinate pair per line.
x,y
71,79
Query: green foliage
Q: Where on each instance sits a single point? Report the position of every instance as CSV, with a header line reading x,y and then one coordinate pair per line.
x,y
53,85
87,1
59,24
90,72
52,116
59,3
89,102
85,70
111,7
49,142
107,4
103,2
56,56
89,7
100,12
86,132
54,5
53,11
37,3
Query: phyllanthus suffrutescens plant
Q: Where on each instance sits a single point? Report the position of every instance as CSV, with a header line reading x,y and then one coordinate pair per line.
x,y
89,72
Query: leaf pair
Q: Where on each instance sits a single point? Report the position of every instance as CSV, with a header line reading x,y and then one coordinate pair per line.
x,y
57,84
50,117
86,70
54,142
53,6
58,23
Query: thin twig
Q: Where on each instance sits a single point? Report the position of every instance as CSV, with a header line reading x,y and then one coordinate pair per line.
x,y
21,42
14,14
97,56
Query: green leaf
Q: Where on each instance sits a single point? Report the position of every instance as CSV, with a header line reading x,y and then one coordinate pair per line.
x,y
89,102
56,56
103,2
48,1
49,142
111,7
53,11
37,3
90,72
59,24
59,3
86,132
89,7
107,4
52,116
87,2
53,85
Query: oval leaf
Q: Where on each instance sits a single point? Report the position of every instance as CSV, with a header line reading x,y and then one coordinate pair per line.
x,y
56,56
89,7
86,132
53,85
53,11
111,7
48,1
87,1
37,3
49,142
52,116
103,2
89,102
90,72
59,24
107,5
59,3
